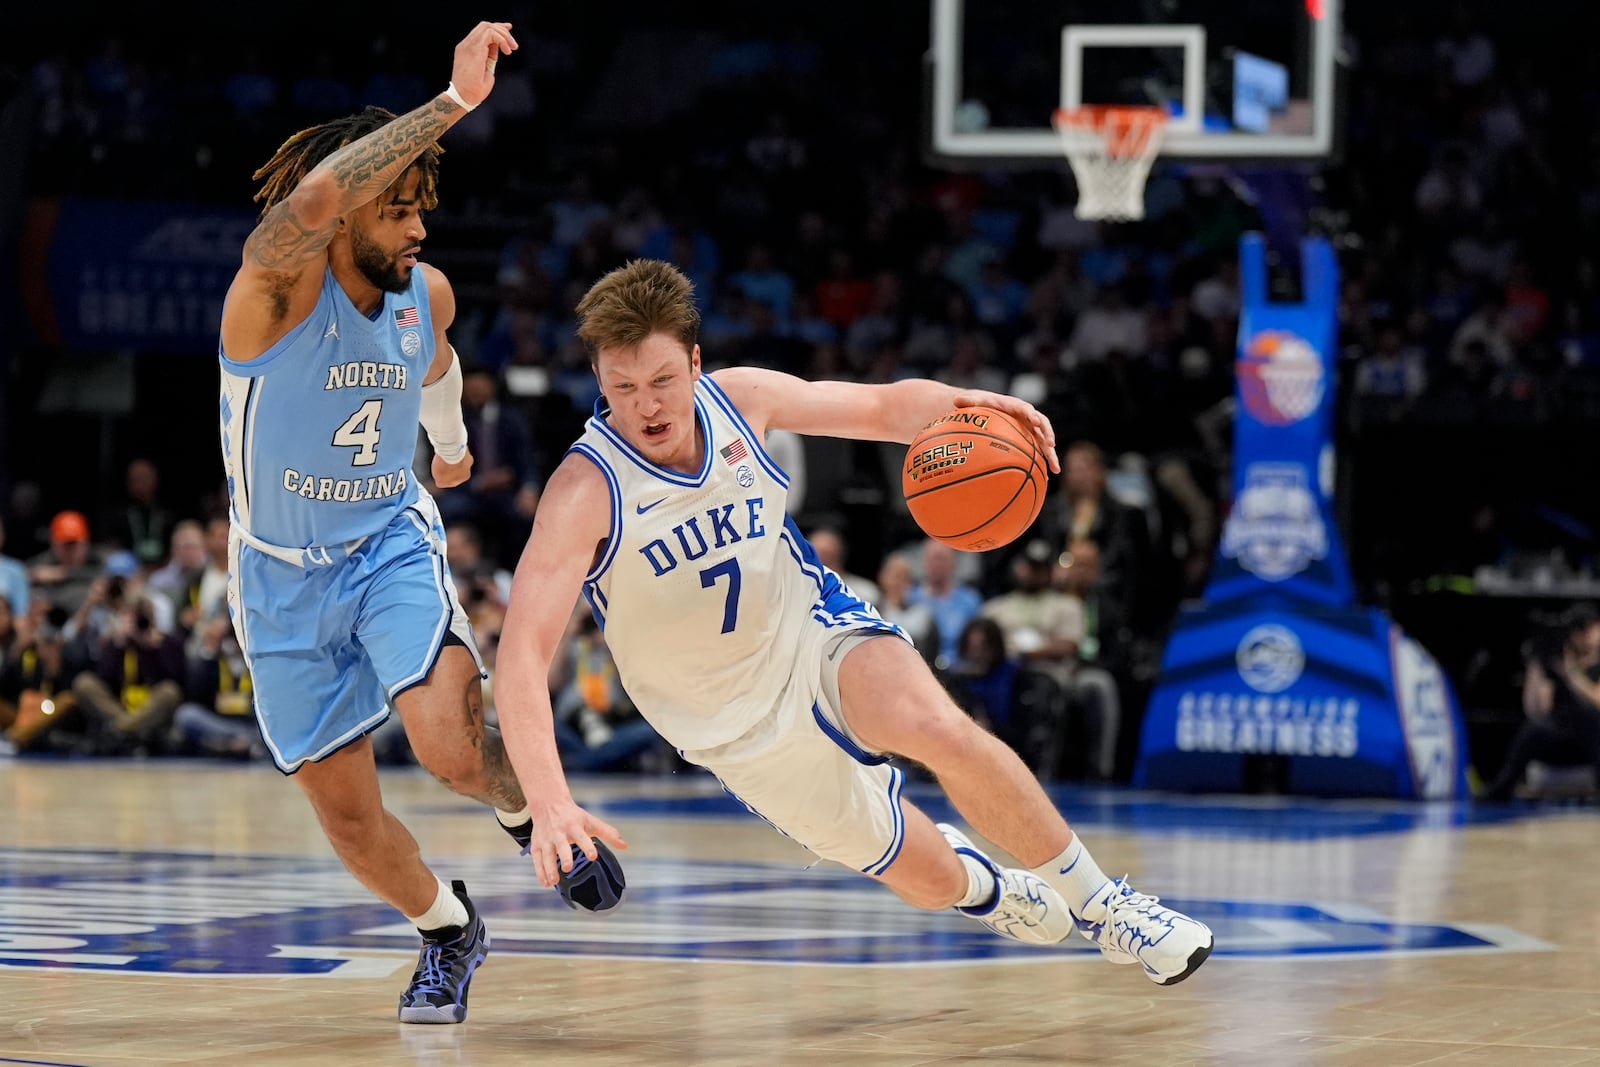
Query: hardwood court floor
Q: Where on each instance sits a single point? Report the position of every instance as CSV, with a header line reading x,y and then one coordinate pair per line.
x,y
166,913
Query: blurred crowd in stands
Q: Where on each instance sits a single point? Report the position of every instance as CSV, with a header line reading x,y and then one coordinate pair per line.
x,y
775,157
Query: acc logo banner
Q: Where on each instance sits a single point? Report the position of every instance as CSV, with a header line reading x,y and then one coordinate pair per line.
x,y
1270,658
1275,528
145,276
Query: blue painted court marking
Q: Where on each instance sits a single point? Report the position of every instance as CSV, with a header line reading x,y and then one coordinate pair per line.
x,y
42,1063
190,914
1113,810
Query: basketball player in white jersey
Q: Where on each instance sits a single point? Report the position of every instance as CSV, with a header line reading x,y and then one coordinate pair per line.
x,y
756,662
333,349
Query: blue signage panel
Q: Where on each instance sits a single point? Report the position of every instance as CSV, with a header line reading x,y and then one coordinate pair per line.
x,y
139,276
1279,660
1280,535
1354,706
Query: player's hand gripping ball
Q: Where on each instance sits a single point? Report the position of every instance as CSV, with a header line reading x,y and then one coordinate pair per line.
x,y
974,479
592,885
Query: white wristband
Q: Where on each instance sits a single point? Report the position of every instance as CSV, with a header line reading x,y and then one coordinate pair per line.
x,y
456,99
441,414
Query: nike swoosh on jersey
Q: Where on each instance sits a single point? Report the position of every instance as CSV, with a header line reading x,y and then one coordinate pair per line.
x,y
646,507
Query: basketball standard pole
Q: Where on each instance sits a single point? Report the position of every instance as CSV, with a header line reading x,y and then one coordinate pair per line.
x,y
1279,679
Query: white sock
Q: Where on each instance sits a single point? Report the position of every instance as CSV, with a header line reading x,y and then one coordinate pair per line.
x,y
447,911
981,886
513,819
1075,875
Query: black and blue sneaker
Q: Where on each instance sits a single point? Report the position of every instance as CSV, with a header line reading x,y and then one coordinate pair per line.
x,y
438,989
596,887
593,885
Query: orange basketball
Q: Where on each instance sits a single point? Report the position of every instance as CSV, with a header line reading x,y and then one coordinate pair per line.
x,y
974,479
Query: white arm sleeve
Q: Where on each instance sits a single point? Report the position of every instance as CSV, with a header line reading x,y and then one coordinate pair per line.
x,y
441,413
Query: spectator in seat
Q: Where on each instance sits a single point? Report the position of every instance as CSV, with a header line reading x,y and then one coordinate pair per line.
x,y
38,710
218,718
181,578
142,524
954,603
834,553
896,579
1021,706
1561,702
67,569
14,585
1085,510
503,493
597,726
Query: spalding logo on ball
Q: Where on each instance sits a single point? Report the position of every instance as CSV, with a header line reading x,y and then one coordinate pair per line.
x,y
974,479
593,885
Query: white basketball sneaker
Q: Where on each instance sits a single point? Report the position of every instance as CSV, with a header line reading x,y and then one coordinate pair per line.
x,y
1025,907
1131,927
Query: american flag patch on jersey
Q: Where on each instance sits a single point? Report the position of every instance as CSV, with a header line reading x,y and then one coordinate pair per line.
x,y
406,317
735,452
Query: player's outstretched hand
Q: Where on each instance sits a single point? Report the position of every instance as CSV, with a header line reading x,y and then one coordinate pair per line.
x,y
1025,414
557,829
473,73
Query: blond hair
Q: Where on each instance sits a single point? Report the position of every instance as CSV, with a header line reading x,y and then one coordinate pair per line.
x,y
640,298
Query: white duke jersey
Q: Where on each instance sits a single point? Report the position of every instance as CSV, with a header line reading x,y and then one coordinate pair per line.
x,y
705,588
318,433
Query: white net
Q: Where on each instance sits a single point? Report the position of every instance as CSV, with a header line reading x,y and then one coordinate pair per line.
x,y
1110,150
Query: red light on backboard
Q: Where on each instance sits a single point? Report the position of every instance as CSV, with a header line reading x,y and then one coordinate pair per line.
x,y
1314,9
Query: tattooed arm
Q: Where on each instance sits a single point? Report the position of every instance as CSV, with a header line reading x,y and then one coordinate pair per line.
x,y
281,274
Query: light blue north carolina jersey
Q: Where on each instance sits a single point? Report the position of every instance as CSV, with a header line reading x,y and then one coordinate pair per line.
x,y
318,433
708,594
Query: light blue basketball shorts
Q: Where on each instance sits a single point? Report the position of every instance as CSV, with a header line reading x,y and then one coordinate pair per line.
x,y
330,645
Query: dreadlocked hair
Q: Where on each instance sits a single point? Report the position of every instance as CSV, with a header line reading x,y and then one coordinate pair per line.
x,y
297,156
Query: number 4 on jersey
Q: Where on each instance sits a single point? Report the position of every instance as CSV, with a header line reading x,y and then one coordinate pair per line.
x,y
360,432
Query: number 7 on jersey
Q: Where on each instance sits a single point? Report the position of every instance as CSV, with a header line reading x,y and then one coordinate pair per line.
x,y
730,610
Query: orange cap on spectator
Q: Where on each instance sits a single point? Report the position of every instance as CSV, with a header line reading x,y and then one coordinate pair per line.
x,y
69,526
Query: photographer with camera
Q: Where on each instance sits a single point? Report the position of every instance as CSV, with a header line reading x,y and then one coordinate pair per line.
x,y
36,703
136,683
1561,699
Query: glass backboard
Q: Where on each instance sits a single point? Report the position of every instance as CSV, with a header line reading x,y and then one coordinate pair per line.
x,y
1239,79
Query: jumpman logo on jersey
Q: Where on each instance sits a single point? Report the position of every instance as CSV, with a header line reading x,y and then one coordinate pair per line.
x,y
333,331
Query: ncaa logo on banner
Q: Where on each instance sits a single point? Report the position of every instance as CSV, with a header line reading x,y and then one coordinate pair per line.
x,y
1281,378
1275,528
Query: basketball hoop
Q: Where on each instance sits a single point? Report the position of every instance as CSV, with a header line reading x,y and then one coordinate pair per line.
x,y
1110,149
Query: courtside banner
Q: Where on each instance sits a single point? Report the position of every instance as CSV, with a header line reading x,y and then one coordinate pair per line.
x,y
135,276
1351,704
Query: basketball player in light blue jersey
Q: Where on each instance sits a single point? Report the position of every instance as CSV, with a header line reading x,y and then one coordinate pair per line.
x,y
756,662
333,350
